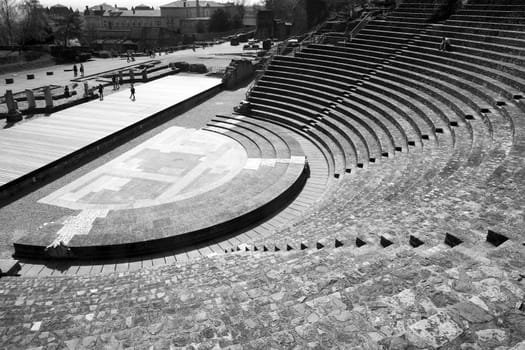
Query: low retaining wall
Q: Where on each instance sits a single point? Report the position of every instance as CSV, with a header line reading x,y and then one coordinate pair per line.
x,y
170,243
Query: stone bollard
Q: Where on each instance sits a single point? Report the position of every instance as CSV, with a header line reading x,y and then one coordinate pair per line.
x,y
86,89
49,98
30,99
13,114
144,75
131,76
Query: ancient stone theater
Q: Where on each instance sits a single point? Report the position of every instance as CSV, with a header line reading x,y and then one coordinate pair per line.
x,y
365,191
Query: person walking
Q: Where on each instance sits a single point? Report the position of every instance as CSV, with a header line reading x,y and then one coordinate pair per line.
x,y
445,44
101,91
81,70
132,89
114,81
75,70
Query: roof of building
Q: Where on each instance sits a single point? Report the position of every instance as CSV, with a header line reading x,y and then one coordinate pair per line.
x,y
104,6
196,19
129,13
180,3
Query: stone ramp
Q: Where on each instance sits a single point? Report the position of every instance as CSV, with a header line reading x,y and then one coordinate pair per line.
x,y
35,149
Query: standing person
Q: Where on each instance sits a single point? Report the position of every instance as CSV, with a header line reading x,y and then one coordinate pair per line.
x,y
132,89
114,81
81,70
75,70
101,91
120,80
445,44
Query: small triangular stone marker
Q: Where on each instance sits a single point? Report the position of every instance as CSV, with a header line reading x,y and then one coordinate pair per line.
x,y
338,243
265,249
288,247
255,249
415,242
385,242
452,241
319,245
496,239
303,246
277,249
359,242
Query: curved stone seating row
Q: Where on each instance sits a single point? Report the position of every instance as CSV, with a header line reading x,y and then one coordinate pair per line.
x,y
319,75
426,120
244,309
355,146
322,136
469,72
380,121
334,130
270,179
508,73
317,182
413,114
319,178
358,86
329,107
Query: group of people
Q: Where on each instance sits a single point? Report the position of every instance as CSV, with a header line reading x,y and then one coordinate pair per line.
x,y
75,70
100,89
116,80
130,57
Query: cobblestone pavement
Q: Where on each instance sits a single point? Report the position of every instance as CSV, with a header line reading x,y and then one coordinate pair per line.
x,y
344,298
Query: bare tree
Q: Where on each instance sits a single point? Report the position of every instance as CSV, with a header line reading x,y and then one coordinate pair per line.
x,y
8,21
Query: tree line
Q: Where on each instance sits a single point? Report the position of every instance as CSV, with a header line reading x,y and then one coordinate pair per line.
x,y
27,22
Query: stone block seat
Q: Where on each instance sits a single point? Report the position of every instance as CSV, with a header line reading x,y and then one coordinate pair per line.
x,y
254,300
417,242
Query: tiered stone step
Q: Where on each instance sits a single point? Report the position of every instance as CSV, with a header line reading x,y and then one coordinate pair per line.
x,y
281,298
